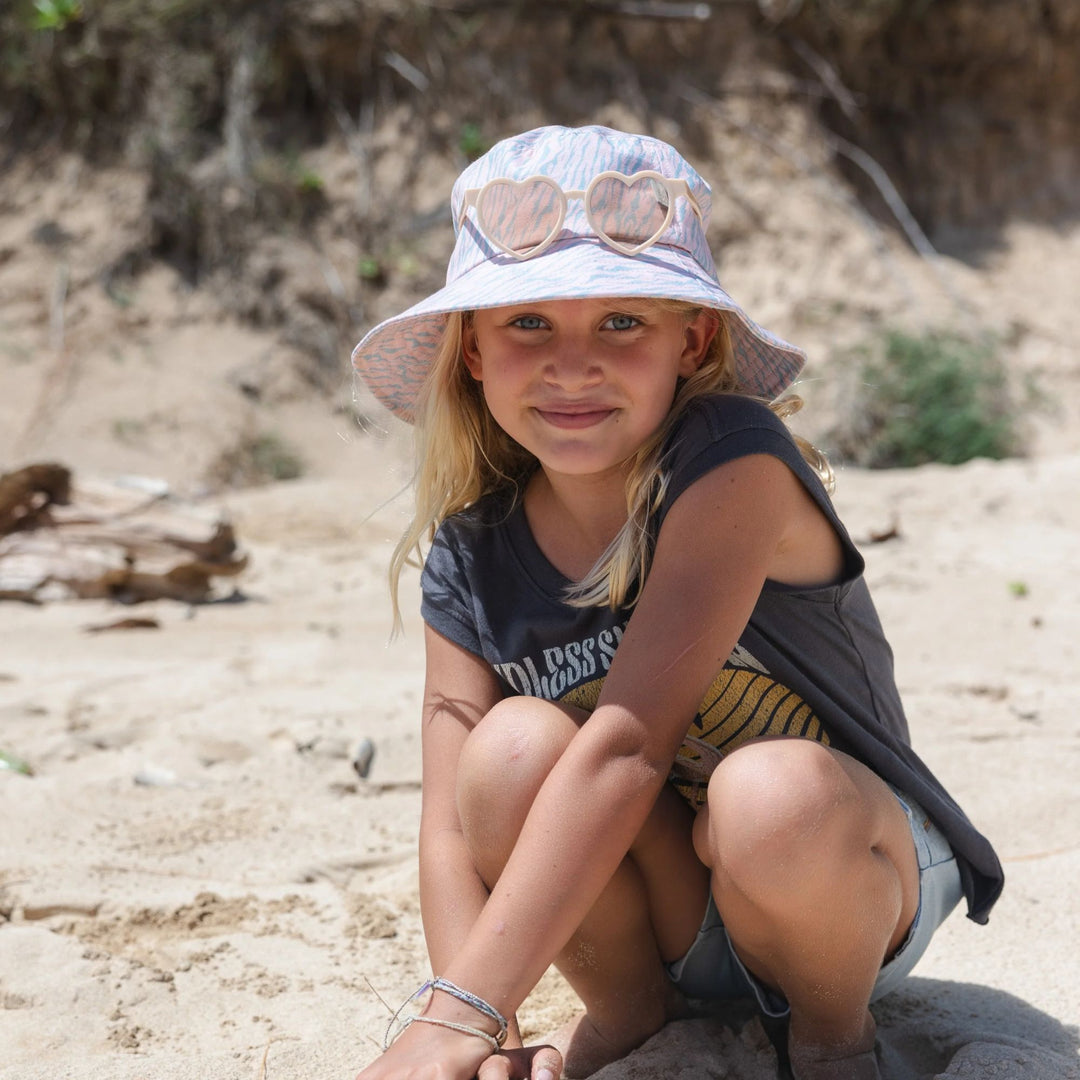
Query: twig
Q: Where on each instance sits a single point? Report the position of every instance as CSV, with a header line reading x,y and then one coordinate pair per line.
x,y
888,191
266,1053
635,9
356,136
56,307
409,72
645,9
54,381
382,1000
828,77
776,11
240,105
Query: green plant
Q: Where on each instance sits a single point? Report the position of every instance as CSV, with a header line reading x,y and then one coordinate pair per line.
x,y
257,459
936,397
272,457
128,429
15,764
370,269
56,14
471,141
309,182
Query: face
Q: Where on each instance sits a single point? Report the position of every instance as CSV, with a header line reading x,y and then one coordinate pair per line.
x,y
582,384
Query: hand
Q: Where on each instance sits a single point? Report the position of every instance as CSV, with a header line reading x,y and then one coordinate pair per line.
x,y
427,1052
542,1062
431,1053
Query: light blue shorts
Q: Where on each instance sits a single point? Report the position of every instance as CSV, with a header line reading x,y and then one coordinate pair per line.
x,y
711,969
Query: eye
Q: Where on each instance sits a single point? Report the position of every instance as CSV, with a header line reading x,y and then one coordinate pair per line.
x,y
528,322
621,322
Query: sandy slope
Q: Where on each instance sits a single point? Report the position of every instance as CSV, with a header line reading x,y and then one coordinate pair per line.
x,y
197,883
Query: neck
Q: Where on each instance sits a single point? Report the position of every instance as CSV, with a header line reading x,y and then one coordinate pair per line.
x,y
574,519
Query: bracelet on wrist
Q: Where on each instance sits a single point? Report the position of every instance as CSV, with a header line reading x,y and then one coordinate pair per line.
x,y
464,996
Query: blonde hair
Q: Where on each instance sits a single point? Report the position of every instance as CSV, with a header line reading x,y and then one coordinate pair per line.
x,y
463,454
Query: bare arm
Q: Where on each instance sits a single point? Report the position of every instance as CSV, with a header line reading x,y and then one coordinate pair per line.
x,y
459,690
720,541
729,531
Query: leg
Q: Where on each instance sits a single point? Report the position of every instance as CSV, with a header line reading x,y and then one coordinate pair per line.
x,y
815,876
649,912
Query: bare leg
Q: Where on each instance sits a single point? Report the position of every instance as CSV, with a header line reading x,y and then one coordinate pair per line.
x,y
649,912
816,879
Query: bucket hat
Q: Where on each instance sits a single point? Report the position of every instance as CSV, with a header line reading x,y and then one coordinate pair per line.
x,y
576,261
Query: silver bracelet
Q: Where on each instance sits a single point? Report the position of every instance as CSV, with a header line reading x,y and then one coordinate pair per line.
x,y
464,996
478,1003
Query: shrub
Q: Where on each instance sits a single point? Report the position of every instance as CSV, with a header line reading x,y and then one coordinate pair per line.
x,y
256,459
937,397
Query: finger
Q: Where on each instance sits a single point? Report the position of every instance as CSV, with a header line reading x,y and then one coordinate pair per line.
x,y
496,1067
547,1064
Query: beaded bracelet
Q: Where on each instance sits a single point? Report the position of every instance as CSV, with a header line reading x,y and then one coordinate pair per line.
x,y
464,1028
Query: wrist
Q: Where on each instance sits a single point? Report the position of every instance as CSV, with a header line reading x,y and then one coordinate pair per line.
x,y
451,1002
453,1009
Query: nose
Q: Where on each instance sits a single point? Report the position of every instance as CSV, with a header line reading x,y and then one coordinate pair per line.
x,y
571,364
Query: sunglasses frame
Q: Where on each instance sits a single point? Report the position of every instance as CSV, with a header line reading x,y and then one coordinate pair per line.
x,y
675,187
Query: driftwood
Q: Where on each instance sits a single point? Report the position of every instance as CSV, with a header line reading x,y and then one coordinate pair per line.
x,y
26,495
119,541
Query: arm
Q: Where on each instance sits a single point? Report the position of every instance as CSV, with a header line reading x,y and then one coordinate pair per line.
x,y
730,530
722,538
459,689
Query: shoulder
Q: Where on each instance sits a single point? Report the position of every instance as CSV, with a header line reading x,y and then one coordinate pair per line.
x,y
720,417
467,553
478,522
471,542
724,427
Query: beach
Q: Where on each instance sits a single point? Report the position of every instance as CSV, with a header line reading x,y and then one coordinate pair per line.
x,y
197,881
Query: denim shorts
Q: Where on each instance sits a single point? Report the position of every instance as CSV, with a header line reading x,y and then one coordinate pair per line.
x,y
711,969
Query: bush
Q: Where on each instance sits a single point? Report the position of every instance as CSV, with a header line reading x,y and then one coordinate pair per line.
x,y
256,459
938,397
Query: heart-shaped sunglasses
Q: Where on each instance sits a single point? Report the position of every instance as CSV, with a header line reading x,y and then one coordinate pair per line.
x,y
628,213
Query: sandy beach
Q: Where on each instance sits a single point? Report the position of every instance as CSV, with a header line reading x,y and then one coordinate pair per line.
x,y
196,882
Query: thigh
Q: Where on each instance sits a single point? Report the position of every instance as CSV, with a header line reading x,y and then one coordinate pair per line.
x,y
940,891
789,815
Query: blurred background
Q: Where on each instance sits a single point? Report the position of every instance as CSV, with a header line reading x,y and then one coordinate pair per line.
x,y
203,206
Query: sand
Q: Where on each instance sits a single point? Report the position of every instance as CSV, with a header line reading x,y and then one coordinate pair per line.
x,y
197,883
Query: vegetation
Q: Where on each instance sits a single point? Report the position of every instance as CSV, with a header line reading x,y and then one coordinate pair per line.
x,y
56,14
258,459
938,397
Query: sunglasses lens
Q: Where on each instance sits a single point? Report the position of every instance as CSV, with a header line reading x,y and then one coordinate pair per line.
x,y
520,216
628,214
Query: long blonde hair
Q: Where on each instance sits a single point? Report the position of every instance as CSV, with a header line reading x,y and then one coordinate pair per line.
x,y
463,454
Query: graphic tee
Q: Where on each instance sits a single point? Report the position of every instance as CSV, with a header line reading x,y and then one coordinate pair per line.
x,y
810,662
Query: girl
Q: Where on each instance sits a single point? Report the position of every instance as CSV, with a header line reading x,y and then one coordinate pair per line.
x,y
662,744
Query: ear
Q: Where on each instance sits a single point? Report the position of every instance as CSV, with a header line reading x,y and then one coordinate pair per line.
x,y
471,352
697,337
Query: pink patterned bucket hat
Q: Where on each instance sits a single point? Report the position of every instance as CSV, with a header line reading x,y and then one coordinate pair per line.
x,y
563,214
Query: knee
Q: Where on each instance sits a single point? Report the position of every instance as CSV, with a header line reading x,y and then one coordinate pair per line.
x,y
779,810
503,764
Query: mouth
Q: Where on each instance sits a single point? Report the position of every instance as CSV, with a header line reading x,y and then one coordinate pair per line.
x,y
575,416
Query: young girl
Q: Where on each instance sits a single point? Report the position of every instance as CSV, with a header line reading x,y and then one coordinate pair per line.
x,y
662,744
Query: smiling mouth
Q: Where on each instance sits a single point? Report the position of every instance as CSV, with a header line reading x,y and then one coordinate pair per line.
x,y
573,416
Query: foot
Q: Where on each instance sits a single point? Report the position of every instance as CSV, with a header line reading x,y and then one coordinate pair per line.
x,y
851,1060
584,1049
587,1046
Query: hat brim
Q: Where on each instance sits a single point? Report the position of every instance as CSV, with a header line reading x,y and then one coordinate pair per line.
x,y
394,358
